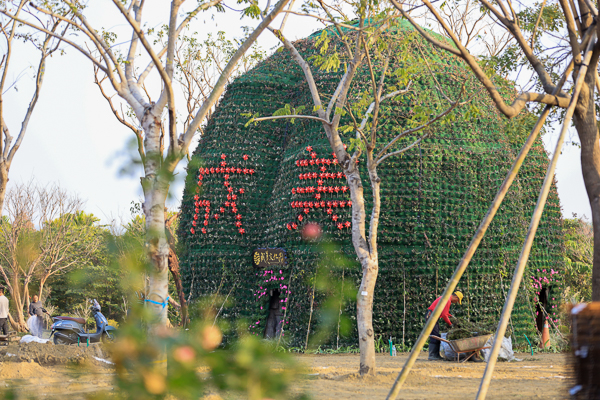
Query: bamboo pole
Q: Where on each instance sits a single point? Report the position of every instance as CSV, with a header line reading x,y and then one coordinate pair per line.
x,y
464,262
535,220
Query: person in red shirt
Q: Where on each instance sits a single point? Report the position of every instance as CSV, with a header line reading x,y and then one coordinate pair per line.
x,y
434,344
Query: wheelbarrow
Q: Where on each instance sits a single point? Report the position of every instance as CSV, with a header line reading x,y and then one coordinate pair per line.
x,y
6,339
467,345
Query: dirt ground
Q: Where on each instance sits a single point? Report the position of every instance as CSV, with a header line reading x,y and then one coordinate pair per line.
x,y
50,354
49,371
542,376
35,370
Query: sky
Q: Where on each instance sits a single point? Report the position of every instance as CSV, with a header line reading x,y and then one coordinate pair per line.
x,y
73,138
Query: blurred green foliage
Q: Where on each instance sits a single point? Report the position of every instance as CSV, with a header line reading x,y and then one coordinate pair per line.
x,y
579,246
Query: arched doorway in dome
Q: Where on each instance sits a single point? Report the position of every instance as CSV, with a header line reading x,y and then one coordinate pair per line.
x,y
275,316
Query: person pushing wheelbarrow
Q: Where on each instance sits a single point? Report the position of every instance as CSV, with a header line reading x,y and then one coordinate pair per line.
x,y
434,344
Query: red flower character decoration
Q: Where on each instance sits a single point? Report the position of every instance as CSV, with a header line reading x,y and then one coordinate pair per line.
x,y
319,191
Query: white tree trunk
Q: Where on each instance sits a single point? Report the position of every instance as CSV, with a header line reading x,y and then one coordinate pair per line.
x,y
155,185
367,255
364,317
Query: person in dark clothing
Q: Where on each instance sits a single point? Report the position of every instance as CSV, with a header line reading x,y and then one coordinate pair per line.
x,y
36,319
434,344
275,317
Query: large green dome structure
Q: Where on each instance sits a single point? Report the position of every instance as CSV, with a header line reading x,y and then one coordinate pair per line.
x,y
254,187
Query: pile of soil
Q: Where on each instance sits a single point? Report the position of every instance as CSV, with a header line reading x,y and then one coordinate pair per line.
x,y
51,354
23,370
462,329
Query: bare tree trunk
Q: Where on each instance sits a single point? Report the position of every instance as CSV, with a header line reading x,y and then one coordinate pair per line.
x,y
20,324
364,317
367,254
585,123
42,283
3,183
155,185
174,268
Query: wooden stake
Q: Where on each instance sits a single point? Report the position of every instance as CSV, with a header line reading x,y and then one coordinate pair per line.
x,y
464,262
535,220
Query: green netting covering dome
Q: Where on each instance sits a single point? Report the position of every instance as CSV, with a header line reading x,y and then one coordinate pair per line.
x,y
256,186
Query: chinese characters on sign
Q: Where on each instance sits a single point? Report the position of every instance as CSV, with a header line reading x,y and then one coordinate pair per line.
x,y
269,258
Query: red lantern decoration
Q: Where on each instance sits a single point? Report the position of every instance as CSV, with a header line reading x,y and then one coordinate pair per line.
x,y
193,231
